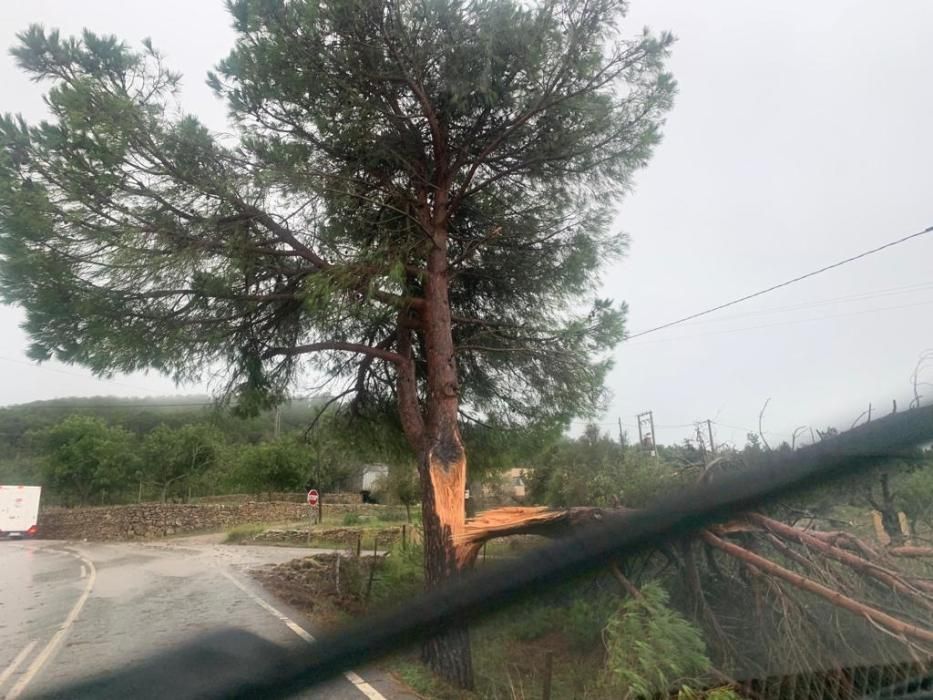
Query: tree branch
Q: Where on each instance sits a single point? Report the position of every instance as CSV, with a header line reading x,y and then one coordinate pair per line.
x,y
811,586
379,353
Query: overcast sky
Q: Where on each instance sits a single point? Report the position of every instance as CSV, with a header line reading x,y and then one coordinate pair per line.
x,y
801,135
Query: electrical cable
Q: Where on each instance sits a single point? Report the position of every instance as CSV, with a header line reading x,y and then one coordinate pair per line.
x,y
786,283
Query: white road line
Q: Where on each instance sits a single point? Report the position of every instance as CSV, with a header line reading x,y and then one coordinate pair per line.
x,y
361,685
20,657
59,635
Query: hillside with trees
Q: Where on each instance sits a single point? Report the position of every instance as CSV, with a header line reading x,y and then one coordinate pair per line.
x,y
107,450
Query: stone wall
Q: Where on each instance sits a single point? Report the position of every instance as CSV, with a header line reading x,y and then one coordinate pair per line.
x,y
149,520
335,498
331,536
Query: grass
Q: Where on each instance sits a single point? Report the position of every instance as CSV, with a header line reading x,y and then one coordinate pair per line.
x,y
417,677
243,533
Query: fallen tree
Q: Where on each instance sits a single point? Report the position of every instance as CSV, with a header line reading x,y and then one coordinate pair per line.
x,y
827,598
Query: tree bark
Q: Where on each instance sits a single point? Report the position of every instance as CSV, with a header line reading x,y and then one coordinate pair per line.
x,y
806,584
889,519
869,568
434,434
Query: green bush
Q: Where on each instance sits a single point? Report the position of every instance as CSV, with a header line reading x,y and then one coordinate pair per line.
x,y
390,516
650,648
535,621
401,573
242,533
352,519
585,619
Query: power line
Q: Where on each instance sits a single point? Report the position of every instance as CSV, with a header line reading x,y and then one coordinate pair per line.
x,y
840,263
72,374
861,296
789,322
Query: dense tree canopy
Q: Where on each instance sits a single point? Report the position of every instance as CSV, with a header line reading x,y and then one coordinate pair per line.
x,y
176,247
416,202
84,458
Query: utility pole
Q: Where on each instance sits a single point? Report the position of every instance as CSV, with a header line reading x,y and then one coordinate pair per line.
x,y
277,425
646,419
621,435
698,434
709,428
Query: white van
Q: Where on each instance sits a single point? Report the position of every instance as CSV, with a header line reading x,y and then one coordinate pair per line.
x,y
19,510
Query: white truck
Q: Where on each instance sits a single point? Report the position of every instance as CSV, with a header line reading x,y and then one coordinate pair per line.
x,y
19,510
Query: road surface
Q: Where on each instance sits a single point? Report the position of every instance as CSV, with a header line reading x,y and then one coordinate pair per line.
x,y
73,610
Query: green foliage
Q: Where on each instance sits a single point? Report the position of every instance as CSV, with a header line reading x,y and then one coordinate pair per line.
x,y
722,693
401,574
401,486
244,533
390,516
595,470
577,611
352,519
913,491
182,446
650,648
307,229
282,465
85,460
172,456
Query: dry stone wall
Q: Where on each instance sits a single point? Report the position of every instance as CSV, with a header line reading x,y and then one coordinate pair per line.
x,y
337,497
150,520
329,536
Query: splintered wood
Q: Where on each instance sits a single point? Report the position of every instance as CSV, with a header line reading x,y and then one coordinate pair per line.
x,y
507,521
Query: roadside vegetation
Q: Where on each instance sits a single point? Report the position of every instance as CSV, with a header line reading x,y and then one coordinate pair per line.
x,y
112,451
685,619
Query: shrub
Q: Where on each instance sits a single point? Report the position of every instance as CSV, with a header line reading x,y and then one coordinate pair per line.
x,y
242,533
390,516
401,573
650,648
534,621
585,619
352,519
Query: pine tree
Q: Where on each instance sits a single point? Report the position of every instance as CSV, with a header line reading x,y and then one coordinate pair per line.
x,y
416,202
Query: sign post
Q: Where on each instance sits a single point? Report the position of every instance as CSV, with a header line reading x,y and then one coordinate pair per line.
x,y
314,499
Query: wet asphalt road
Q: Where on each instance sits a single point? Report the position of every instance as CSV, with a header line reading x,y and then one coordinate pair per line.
x,y
73,610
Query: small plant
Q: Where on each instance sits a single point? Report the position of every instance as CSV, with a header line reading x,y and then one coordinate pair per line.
x,y
243,533
651,648
390,516
535,621
400,573
585,619
720,693
352,519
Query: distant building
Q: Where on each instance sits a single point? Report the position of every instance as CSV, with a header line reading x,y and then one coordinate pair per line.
x,y
371,475
505,489
517,482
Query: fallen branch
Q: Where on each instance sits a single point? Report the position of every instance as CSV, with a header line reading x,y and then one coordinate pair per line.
x,y
841,538
868,568
626,584
811,586
539,520
910,551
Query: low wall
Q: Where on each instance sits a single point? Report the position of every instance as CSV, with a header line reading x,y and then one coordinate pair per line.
x,y
149,520
337,535
335,498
